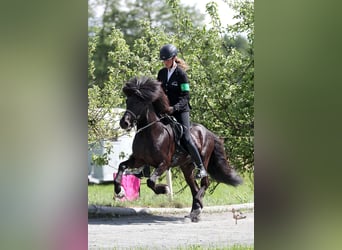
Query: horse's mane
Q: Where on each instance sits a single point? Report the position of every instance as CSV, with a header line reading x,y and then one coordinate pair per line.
x,y
148,90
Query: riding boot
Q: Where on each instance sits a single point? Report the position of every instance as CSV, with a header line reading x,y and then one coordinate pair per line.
x,y
201,172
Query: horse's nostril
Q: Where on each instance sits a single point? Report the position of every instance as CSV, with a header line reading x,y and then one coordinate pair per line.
x,y
123,124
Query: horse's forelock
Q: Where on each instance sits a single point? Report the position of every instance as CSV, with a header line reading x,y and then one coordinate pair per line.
x,y
146,88
130,87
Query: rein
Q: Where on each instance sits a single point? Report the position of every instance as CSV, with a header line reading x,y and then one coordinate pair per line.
x,y
135,118
148,125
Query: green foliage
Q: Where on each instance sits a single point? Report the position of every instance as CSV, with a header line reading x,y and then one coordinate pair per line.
x,y
214,247
221,74
200,247
102,101
126,16
100,159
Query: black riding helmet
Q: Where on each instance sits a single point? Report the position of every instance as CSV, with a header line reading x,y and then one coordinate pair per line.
x,y
168,51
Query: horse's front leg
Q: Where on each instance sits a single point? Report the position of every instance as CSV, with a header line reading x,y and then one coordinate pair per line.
x,y
151,182
119,192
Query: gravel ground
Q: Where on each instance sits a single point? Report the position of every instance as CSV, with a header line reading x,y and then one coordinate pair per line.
x,y
169,231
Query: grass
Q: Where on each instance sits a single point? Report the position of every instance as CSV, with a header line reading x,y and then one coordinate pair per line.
x,y
234,247
222,195
197,247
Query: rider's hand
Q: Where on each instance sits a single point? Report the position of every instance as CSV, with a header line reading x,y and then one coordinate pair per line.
x,y
170,110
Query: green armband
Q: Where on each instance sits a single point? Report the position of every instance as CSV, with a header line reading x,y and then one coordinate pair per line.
x,y
185,87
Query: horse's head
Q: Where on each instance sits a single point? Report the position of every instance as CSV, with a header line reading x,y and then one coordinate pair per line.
x,y
140,93
135,109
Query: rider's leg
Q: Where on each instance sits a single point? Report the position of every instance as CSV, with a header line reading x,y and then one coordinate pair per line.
x,y
195,157
190,146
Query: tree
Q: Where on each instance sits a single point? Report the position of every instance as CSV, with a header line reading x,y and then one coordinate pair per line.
x,y
127,16
222,79
221,76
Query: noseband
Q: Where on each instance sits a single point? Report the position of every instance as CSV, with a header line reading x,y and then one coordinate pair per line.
x,y
135,117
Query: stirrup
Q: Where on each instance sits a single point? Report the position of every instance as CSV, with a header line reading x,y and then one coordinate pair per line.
x,y
201,172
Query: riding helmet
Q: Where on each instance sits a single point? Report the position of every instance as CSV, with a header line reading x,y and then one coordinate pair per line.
x,y
168,51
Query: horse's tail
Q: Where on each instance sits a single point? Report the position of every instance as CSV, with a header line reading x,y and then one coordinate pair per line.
x,y
218,167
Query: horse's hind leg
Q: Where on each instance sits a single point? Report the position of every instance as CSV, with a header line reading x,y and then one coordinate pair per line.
x,y
196,192
197,204
151,182
200,194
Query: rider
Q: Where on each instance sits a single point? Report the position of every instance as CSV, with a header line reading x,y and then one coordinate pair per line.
x,y
176,86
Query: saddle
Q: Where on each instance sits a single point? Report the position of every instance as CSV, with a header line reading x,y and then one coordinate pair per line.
x,y
177,129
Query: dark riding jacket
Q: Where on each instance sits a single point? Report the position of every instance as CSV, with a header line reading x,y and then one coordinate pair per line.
x,y
176,88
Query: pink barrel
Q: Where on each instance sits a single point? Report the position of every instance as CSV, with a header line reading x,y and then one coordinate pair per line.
x,y
131,185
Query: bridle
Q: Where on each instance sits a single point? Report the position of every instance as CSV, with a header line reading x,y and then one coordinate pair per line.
x,y
137,117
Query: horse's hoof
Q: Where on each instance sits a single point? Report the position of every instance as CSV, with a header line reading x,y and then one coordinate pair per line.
x,y
187,219
162,189
121,194
195,219
195,215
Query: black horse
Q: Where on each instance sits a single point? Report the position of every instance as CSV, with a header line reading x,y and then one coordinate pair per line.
x,y
154,144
